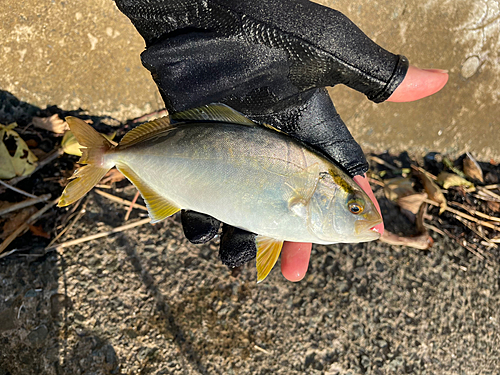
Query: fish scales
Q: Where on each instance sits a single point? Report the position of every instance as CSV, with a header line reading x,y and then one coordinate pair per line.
x,y
249,176
204,165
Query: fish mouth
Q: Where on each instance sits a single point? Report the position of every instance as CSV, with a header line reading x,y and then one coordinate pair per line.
x,y
366,229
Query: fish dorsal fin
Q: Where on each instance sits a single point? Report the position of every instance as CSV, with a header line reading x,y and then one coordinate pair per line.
x,y
159,208
145,130
268,252
213,112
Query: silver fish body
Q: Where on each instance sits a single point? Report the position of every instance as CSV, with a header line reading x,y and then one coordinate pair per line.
x,y
249,176
252,178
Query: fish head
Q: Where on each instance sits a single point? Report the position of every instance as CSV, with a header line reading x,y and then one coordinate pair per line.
x,y
340,211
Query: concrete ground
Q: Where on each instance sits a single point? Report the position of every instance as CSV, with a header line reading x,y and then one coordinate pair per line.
x,y
148,302
86,54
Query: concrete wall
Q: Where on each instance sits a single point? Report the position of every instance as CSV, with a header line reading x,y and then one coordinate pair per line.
x,y
86,54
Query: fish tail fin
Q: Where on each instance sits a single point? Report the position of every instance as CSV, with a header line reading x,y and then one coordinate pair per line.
x,y
94,146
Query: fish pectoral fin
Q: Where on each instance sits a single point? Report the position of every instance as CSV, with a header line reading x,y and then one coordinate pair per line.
x,y
212,112
301,188
268,252
159,208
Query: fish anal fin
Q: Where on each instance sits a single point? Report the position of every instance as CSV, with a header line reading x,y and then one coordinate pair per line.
x,y
145,130
213,112
268,252
159,208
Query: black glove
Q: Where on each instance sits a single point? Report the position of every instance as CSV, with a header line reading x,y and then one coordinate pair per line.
x,y
269,59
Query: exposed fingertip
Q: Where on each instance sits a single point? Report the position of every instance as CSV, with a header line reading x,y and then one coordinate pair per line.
x,y
295,260
419,83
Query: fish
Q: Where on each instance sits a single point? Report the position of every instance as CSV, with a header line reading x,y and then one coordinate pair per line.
x,y
216,161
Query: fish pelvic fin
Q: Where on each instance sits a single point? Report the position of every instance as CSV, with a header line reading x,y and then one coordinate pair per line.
x,y
268,252
159,208
94,146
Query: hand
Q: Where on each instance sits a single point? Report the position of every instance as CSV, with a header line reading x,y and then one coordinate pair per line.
x,y
271,61
417,84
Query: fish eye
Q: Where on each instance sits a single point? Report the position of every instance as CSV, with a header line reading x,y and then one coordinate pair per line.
x,y
355,206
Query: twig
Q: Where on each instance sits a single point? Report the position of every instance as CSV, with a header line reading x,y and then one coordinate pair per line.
x,y
119,200
17,190
151,116
24,204
489,192
77,217
25,225
473,211
468,247
262,350
465,216
485,197
422,170
491,187
376,159
98,235
376,182
435,229
479,234
52,156
127,215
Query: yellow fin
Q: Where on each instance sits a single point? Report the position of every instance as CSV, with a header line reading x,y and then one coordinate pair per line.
x,y
159,208
95,145
268,252
213,112
145,130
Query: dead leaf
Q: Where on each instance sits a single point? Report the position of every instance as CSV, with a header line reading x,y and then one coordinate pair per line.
x,y
422,241
70,145
433,191
38,231
398,187
53,123
16,159
447,180
114,175
14,221
493,206
472,168
412,202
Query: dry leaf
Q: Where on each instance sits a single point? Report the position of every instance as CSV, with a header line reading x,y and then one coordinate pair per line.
x,y
472,168
493,206
398,187
14,221
412,202
38,231
422,241
53,123
114,175
71,146
16,159
447,180
433,191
